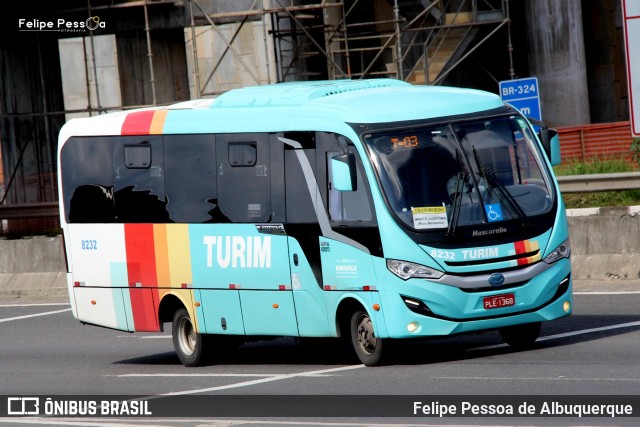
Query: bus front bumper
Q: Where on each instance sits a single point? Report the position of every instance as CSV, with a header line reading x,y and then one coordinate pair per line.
x,y
433,309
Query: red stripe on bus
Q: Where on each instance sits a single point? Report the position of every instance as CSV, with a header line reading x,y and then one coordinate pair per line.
x,y
141,268
521,248
137,123
144,305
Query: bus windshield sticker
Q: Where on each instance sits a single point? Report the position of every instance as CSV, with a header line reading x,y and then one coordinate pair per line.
x,y
429,217
494,212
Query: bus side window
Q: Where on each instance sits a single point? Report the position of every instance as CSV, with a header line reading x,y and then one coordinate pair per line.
x,y
243,175
300,208
138,178
87,186
348,205
190,178
352,208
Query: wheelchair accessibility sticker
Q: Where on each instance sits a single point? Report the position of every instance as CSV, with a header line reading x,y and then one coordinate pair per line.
x,y
494,213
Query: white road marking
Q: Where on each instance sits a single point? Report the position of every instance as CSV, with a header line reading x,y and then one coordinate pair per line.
x,y
254,382
35,305
212,375
34,315
567,334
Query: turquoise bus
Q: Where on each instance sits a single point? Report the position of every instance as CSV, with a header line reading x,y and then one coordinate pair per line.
x,y
365,210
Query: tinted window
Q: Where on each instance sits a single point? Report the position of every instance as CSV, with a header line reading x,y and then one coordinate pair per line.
x,y
299,204
139,192
348,205
244,190
471,173
87,184
353,208
190,178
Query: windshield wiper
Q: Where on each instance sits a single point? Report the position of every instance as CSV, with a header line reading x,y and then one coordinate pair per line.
x,y
457,202
493,182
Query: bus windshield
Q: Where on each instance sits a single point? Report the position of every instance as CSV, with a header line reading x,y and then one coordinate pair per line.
x,y
438,178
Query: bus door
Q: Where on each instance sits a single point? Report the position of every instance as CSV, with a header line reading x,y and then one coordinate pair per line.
x,y
251,250
346,254
332,234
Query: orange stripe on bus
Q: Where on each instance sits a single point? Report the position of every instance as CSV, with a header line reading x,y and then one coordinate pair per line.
x,y
162,255
157,123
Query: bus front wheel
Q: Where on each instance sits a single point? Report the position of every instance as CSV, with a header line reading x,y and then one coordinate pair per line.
x,y
189,345
367,346
521,336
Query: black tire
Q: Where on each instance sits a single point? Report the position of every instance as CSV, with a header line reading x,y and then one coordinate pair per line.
x,y
190,346
367,346
521,336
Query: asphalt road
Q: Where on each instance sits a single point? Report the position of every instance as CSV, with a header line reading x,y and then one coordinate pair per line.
x,y
593,353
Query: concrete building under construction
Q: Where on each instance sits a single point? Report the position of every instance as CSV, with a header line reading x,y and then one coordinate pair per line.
x,y
73,58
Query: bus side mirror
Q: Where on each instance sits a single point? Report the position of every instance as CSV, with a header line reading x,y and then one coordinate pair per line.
x,y
551,144
343,172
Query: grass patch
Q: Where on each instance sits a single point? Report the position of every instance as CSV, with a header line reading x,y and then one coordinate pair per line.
x,y
596,166
600,198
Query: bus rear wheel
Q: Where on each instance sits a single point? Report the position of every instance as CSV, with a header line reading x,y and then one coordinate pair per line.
x,y
367,345
189,345
521,336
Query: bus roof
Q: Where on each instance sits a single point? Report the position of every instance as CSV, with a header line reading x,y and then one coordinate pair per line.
x,y
285,106
364,101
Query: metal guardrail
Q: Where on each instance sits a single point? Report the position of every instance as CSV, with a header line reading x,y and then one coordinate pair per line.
x,y
599,182
29,210
568,184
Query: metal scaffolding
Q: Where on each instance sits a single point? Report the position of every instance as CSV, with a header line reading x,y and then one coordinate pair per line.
x,y
417,41
267,41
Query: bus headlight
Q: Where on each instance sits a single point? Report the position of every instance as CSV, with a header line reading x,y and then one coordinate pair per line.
x,y
562,251
407,270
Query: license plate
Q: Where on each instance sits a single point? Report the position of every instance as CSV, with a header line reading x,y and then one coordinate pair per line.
x,y
497,301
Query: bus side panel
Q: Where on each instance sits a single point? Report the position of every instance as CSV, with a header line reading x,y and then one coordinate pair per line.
x,y
144,306
161,255
179,257
96,249
345,267
220,312
378,316
307,295
311,315
142,276
237,255
268,313
101,306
